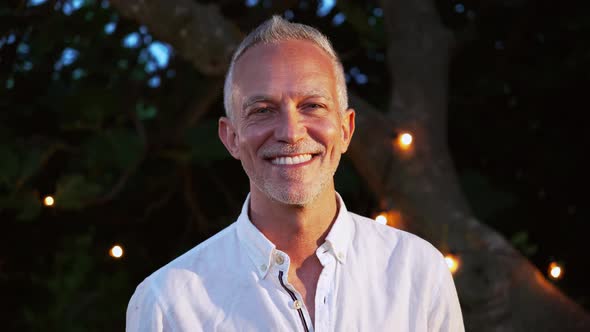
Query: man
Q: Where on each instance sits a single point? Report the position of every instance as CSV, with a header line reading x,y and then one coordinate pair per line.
x,y
296,259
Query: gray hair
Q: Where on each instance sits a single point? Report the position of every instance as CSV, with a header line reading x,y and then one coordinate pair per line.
x,y
277,29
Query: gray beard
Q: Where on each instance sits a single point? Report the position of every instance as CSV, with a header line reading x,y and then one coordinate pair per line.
x,y
281,194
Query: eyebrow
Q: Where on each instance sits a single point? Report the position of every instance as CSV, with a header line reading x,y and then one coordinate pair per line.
x,y
255,99
266,98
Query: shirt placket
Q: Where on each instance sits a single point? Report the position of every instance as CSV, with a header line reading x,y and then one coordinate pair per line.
x,y
324,290
281,261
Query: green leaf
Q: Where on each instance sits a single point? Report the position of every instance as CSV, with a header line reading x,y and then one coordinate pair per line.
x,y
519,238
531,250
97,153
119,149
127,147
9,165
145,112
92,114
75,191
30,207
179,156
31,163
138,74
6,12
26,203
521,241
205,144
14,167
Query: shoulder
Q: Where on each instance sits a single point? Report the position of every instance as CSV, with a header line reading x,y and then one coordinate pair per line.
x,y
415,262
408,264
203,256
389,237
191,268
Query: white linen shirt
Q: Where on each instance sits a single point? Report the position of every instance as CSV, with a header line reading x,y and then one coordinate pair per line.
x,y
374,278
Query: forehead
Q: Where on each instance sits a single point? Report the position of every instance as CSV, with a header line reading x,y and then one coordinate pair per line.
x,y
294,67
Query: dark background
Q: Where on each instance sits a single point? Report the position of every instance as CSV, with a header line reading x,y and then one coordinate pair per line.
x,y
92,109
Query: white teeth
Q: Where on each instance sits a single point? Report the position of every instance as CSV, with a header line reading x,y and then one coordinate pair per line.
x,y
291,160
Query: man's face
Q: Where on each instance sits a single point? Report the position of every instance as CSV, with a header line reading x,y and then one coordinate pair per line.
x,y
287,128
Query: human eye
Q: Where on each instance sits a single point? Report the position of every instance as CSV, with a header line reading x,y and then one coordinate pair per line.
x,y
261,110
314,106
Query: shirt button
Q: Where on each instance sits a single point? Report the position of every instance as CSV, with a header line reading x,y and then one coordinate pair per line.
x,y
297,304
279,259
340,255
263,267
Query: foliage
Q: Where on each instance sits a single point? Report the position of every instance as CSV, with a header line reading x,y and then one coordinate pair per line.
x,y
521,241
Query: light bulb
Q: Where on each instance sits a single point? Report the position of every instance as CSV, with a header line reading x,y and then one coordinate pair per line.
x,y
382,219
405,140
48,201
452,263
555,271
116,251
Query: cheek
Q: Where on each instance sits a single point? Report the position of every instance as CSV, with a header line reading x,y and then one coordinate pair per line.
x,y
329,131
252,138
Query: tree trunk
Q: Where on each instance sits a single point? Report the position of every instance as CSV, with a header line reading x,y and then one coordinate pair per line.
x,y
499,289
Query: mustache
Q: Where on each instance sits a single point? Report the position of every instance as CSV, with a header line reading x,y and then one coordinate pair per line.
x,y
305,147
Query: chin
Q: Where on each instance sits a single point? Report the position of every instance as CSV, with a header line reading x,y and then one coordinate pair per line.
x,y
293,196
293,199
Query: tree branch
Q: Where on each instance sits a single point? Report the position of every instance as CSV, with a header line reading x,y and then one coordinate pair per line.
x,y
193,203
198,32
199,106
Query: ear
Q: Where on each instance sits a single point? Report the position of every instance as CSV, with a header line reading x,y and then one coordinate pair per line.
x,y
347,128
228,136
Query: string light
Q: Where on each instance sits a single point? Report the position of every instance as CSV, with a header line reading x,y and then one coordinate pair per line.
x,y
391,218
116,251
405,140
555,271
48,201
382,219
452,263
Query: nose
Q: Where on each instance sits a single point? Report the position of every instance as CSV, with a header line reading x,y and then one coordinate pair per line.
x,y
290,128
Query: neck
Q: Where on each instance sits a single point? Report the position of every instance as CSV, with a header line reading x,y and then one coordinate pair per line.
x,y
296,230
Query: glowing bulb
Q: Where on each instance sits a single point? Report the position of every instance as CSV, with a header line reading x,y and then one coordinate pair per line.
x,y
116,251
555,271
48,201
452,263
405,140
381,219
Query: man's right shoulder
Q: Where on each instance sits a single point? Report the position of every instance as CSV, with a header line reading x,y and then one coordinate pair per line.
x,y
193,267
185,283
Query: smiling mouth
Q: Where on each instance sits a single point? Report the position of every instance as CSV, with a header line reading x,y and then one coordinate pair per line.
x,y
292,160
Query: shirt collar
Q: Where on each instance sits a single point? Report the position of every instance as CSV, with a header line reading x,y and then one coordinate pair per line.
x,y
257,246
260,249
340,235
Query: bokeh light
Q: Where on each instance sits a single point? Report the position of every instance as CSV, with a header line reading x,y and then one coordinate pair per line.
x,y
555,271
405,140
116,251
48,201
452,263
381,219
